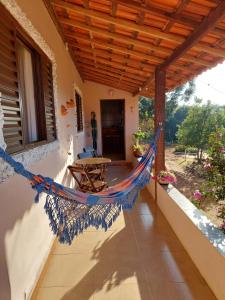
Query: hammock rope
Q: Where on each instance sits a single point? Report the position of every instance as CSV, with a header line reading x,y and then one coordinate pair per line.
x,y
70,211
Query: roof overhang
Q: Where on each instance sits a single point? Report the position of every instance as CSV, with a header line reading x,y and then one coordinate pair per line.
x,y
120,43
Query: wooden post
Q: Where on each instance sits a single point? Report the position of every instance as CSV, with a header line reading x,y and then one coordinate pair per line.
x,y
160,85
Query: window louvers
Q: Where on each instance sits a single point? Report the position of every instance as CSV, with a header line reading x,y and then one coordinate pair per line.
x,y
9,87
48,98
79,113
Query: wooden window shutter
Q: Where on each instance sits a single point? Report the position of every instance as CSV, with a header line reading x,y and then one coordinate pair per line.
x,y
9,86
79,112
48,93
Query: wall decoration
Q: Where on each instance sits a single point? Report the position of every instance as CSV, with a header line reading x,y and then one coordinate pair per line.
x,y
70,103
64,110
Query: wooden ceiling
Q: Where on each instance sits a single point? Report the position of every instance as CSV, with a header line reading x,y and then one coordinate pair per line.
x,y
120,43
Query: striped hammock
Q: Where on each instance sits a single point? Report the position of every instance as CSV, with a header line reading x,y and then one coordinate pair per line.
x,y
71,211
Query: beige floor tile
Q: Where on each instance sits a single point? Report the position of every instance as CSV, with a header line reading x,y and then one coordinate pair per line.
x,y
139,258
126,291
65,293
68,270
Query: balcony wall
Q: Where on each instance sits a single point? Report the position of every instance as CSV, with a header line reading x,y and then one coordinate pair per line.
x,y
25,237
93,93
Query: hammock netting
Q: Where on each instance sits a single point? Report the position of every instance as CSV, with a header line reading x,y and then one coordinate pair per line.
x,y
70,211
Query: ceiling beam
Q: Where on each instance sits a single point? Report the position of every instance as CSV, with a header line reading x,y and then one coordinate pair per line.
x,y
152,32
109,84
100,72
106,77
155,11
114,64
87,63
106,54
208,23
120,49
138,43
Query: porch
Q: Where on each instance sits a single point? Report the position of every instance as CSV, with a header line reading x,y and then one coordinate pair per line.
x,y
139,258
87,51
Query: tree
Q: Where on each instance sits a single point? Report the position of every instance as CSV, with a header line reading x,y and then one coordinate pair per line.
x,y
146,122
175,114
201,121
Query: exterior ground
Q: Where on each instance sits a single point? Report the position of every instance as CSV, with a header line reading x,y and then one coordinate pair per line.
x,y
188,181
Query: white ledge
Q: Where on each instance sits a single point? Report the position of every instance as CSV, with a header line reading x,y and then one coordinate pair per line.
x,y
208,229
202,240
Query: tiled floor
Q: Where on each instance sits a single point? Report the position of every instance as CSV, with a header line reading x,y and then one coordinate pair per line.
x,y
139,258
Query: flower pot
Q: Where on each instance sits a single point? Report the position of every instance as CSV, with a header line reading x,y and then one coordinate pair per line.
x,y
137,153
163,181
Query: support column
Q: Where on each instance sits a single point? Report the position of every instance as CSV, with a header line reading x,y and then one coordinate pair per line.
x,y
160,85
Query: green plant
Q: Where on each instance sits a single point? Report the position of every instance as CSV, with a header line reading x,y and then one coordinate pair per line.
x,y
192,150
138,136
201,121
215,165
180,148
214,169
138,148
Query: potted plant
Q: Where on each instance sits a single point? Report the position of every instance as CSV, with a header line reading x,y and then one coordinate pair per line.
x,y
166,177
137,148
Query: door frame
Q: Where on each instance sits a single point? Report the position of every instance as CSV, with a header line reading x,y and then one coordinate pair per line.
x,y
124,124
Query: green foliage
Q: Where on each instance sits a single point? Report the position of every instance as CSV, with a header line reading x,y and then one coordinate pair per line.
x,y
146,122
215,165
192,150
200,122
180,148
175,114
138,136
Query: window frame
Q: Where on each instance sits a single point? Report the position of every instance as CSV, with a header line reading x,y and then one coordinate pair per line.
x,y
79,112
38,56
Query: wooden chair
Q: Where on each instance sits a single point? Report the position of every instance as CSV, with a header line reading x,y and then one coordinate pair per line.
x,y
85,182
93,171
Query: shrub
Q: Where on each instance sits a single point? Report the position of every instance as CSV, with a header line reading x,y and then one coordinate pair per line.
x,y
180,148
214,169
192,150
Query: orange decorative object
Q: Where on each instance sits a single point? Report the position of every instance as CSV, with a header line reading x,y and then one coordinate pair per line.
x,y
64,111
70,103
68,125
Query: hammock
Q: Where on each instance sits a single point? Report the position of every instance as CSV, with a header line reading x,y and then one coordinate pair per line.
x,y
71,211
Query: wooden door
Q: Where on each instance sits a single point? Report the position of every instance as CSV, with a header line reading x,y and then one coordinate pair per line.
x,y
112,121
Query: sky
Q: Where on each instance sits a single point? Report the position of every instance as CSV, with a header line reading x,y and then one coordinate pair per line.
x,y
210,85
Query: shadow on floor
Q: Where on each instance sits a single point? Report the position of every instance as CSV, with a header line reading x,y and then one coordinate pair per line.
x,y
145,253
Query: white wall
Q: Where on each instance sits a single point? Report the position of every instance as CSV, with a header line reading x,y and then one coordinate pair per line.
x,y
25,237
93,93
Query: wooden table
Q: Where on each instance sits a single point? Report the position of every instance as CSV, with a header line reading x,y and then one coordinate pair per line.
x,y
90,161
94,169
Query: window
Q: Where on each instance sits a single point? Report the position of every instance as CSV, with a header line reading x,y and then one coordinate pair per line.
x,y
26,88
79,112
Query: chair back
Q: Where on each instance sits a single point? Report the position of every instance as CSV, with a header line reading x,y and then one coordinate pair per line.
x,y
74,170
84,155
90,149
